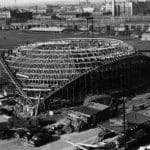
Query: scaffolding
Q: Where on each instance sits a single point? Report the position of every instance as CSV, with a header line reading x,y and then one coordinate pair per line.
x,y
46,67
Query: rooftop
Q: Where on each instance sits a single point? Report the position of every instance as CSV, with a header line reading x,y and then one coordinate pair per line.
x,y
86,110
137,118
98,106
48,29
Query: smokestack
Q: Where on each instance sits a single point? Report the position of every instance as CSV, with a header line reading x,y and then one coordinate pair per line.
x,y
113,7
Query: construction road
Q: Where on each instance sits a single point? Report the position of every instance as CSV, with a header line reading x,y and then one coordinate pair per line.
x,y
15,144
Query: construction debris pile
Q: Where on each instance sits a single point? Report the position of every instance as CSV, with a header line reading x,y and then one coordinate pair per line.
x,y
50,126
39,130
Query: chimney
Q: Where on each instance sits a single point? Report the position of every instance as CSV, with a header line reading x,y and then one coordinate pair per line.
x,y
113,7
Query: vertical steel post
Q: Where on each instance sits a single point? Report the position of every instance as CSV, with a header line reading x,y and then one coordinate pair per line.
x,y
124,123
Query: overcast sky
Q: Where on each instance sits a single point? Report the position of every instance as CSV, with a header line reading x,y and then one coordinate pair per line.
x,y
5,3
36,2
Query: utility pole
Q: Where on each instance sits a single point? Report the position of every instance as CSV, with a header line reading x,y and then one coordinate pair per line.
x,y
87,25
124,108
124,123
90,19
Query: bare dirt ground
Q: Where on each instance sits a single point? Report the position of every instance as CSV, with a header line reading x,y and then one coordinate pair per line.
x,y
11,38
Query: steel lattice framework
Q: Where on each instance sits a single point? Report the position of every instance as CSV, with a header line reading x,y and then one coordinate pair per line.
x,y
44,67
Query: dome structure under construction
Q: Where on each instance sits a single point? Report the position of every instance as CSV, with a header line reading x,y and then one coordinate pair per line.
x,y
44,68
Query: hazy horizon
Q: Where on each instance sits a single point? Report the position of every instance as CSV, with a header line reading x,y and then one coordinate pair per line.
x,y
12,3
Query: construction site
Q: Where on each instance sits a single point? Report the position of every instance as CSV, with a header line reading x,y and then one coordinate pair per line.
x,y
78,85
75,76
65,71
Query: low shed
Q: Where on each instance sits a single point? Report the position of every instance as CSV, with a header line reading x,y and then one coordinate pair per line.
x,y
94,115
48,29
136,118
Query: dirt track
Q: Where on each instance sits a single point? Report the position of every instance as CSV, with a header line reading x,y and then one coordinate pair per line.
x,y
60,144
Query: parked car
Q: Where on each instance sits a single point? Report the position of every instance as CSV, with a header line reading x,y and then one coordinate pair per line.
x,y
39,139
32,131
20,132
4,111
56,129
28,135
45,122
6,134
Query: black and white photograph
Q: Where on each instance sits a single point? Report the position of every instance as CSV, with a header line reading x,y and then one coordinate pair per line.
x,y
74,74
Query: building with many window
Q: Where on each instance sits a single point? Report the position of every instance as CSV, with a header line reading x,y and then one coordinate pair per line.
x,y
118,8
5,14
141,8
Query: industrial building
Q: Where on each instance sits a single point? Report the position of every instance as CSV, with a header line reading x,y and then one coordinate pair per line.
x,y
117,8
141,8
41,9
20,15
5,14
126,8
48,29
145,36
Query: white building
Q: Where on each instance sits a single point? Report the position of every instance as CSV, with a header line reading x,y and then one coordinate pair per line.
x,y
88,9
5,14
37,9
48,29
126,9
145,36
118,8
87,6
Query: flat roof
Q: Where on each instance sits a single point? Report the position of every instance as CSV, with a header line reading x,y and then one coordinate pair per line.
x,y
145,112
86,110
4,50
136,118
98,106
52,29
133,118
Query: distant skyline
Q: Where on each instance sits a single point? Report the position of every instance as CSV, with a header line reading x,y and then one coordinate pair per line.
x,y
12,3
9,3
